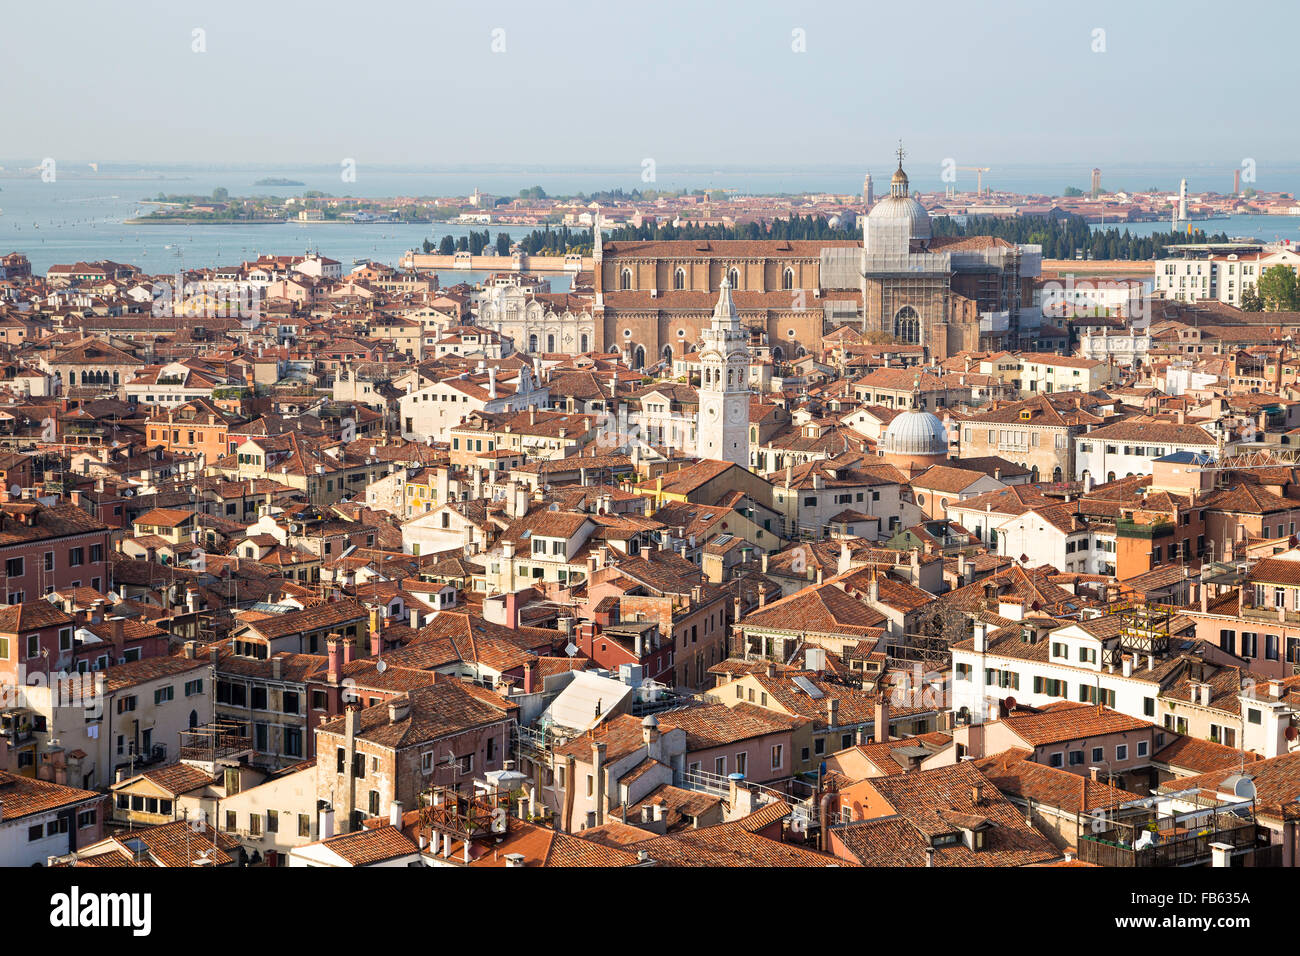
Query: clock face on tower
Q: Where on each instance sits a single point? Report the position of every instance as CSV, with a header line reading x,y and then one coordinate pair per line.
x,y
712,410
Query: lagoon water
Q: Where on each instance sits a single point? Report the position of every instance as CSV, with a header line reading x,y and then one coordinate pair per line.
x,y
80,216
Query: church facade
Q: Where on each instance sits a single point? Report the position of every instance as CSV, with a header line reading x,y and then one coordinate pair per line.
x,y
653,299
539,323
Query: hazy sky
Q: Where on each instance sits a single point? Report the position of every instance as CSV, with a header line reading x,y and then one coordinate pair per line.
x,y
614,82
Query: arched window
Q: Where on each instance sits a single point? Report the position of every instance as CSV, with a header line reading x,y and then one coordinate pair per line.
x,y
550,343
625,280
1110,476
638,357
787,279
907,326
668,355
777,354
532,343
583,343
733,277
679,279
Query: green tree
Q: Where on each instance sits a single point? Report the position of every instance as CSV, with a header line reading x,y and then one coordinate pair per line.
x,y
1279,290
220,194
1250,300
1072,191
503,244
447,246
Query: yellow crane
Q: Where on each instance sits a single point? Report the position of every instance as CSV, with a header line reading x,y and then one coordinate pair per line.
x,y
979,177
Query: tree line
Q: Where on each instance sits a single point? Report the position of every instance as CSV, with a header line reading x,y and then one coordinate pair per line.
x,y
1062,237
1066,236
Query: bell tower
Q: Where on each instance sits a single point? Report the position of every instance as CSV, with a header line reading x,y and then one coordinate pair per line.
x,y
723,427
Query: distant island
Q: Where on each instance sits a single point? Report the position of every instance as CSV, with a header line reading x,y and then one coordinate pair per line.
x,y
277,181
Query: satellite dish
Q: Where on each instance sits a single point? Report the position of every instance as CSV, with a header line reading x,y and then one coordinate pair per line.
x,y
1009,704
381,666
571,648
1292,733
15,491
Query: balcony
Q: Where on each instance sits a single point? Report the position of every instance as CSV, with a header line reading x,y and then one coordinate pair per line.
x,y
223,739
1184,840
1266,613
1128,528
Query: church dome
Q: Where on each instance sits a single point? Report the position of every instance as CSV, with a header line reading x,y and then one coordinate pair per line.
x,y
901,211
898,218
916,434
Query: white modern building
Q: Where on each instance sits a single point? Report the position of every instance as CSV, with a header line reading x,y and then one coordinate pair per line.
x,y
1129,447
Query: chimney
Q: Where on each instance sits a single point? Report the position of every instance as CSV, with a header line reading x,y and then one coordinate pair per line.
x,y
832,712
277,668
332,654
763,562
882,719
191,648
326,824
1205,695
349,649
977,795
650,737
873,589
395,813
528,678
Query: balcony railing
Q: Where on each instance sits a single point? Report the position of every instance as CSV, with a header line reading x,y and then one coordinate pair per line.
x,y
1117,845
1134,529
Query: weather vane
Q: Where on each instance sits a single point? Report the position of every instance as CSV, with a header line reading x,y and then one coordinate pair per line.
x,y
901,154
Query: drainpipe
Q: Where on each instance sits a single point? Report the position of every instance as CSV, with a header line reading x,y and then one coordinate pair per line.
x,y
566,818
824,840
598,768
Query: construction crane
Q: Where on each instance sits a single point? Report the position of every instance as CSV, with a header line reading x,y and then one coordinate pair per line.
x,y
979,177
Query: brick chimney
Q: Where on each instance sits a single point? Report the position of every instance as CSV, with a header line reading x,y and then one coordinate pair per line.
x,y
882,719
332,653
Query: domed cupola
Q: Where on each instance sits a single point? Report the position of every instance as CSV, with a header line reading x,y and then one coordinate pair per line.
x,y
896,220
